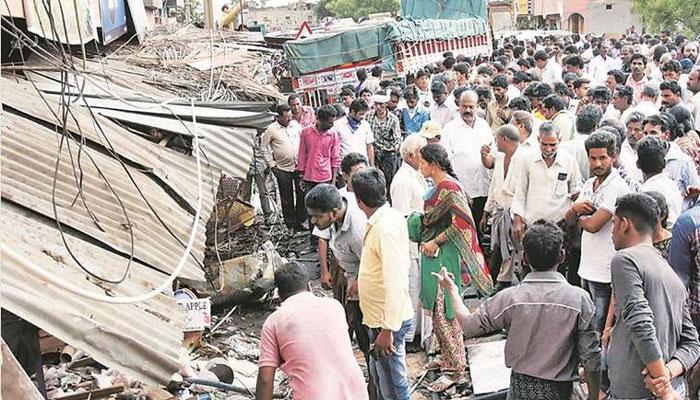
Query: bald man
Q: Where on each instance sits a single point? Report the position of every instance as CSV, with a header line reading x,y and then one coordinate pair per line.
x,y
463,138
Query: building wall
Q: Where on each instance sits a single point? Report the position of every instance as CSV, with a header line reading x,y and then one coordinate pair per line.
x,y
279,18
599,19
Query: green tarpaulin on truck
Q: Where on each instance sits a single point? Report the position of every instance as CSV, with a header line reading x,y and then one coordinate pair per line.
x,y
327,50
409,30
444,9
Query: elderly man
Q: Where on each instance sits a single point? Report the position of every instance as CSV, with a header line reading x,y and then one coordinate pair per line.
x,y
463,139
407,192
546,184
647,102
501,190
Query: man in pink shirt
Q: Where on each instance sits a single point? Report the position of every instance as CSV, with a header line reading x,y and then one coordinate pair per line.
x,y
319,152
319,366
304,115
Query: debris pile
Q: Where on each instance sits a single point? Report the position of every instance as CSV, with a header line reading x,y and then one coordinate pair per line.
x,y
242,250
206,65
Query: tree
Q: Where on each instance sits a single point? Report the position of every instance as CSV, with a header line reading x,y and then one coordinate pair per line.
x,y
361,8
322,9
672,15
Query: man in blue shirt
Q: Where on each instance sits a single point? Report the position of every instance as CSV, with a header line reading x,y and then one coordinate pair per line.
x,y
414,115
684,258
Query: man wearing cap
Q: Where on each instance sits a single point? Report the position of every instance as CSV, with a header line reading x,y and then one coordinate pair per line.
x,y
387,137
431,131
441,110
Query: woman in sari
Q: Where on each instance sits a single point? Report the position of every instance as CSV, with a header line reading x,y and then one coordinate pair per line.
x,y
447,234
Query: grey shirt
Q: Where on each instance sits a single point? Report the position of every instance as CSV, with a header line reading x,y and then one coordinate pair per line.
x,y
652,320
548,323
346,240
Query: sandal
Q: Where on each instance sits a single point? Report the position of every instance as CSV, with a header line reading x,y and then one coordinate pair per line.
x,y
441,384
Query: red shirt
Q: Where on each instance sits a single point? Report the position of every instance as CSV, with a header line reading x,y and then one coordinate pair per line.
x,y
319,154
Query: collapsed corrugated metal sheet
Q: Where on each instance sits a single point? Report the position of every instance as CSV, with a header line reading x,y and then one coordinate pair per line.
x,y
227,148
29,155
220,116
142,340
172,169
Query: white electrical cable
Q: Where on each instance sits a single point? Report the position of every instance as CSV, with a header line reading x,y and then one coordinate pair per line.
x,y
49,277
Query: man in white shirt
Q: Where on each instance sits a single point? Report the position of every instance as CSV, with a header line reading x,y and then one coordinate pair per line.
x,y
548,180
554,109
407,190
694,102
355,133
501,190
463,139
647,102
637,79
593,212
524,121
651,162
602,63
587,121
442,110
628,150
548,68
622,100
679,166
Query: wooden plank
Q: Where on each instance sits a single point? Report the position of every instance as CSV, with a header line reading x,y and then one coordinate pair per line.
x,y
20,387
92,394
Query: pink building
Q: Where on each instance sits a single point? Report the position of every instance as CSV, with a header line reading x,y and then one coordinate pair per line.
x,y
580,16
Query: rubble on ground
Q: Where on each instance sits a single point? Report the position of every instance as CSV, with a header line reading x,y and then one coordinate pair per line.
x,y
221,66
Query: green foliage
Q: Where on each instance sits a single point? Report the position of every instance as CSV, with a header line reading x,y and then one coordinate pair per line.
x,y
322,9
357,8
672,15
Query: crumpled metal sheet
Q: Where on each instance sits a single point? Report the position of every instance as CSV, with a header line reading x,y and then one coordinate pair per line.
x,y
229,149
170,168
28,158
142,340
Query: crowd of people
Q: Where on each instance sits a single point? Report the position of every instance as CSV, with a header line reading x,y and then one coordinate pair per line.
x,y
555,180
